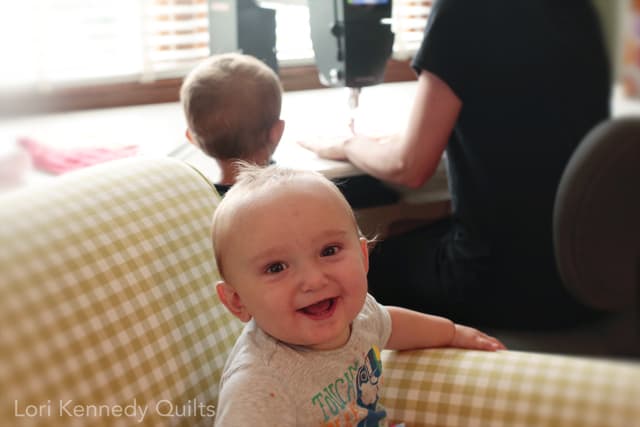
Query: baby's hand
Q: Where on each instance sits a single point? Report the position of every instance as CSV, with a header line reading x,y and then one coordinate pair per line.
x,y
466,337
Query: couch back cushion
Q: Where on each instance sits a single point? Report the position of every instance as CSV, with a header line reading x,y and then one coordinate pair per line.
x,y
107,302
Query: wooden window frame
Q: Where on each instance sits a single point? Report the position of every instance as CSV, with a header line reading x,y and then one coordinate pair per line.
x,y
131,93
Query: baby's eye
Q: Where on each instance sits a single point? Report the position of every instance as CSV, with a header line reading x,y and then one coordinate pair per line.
x,y
330,250
275,267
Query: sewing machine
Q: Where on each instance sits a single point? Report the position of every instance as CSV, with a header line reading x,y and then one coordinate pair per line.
x,y
352,41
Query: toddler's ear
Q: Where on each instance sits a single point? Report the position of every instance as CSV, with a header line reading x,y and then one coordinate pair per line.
x,y
231,299
189,136
276,132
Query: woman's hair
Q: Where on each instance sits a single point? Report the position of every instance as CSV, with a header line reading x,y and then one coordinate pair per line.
x,y
231,101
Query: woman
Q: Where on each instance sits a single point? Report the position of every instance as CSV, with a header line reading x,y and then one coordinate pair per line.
x,y
508,88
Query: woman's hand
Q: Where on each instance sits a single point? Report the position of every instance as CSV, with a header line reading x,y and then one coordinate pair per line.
x,y
334,147
330,147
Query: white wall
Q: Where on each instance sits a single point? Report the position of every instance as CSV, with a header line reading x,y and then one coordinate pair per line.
x,y
613,14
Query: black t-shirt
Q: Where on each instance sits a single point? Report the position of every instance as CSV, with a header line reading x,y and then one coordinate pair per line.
x,y
533,78
360,191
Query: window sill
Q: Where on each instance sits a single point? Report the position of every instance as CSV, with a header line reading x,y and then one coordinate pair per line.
x,y
125,94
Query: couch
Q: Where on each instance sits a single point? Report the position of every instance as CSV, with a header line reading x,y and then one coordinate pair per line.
x,y
109,317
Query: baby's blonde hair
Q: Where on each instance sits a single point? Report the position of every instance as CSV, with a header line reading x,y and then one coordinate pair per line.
x,y
231,101
252,178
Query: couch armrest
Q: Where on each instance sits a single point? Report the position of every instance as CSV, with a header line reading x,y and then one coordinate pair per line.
x,y
107,301
451,387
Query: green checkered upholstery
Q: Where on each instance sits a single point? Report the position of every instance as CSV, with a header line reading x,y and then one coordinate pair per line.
x,y
457,388
107,301
107,297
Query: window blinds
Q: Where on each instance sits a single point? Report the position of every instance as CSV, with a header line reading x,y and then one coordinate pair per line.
x,y
46,41
409,19
49,43
175,36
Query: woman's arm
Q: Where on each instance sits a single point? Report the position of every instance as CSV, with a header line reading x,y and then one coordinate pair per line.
x,y
413,330
411,158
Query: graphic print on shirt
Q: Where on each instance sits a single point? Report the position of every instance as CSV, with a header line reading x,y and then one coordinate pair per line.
x,y
351,400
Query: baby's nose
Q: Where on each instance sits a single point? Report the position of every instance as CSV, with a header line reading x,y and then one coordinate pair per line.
x,y
312,279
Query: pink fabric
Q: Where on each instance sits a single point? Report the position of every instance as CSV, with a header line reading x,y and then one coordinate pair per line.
x,y
61,160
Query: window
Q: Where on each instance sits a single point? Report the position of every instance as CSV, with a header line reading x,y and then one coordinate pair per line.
x,y
409,19
58,51
293,44
57,43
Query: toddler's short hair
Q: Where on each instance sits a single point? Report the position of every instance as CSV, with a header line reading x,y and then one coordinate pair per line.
x,y
231,101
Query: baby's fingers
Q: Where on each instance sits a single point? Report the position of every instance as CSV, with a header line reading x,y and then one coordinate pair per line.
x,y
467,337
485,342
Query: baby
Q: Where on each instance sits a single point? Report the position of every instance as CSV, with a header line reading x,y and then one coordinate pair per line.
x,y
294,267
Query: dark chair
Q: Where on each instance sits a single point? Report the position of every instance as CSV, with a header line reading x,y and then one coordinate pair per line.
x,y
597,217
596,222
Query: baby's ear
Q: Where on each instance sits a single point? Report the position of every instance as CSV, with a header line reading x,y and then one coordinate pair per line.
x,y
364,248
231,299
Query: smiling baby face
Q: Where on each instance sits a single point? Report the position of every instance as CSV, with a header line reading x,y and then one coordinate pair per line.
x,y
292,259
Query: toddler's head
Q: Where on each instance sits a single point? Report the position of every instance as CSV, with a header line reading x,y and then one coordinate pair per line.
x,y
291,257
232,106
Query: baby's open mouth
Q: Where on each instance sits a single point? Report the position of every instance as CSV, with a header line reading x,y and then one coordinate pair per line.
x,y
320,309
